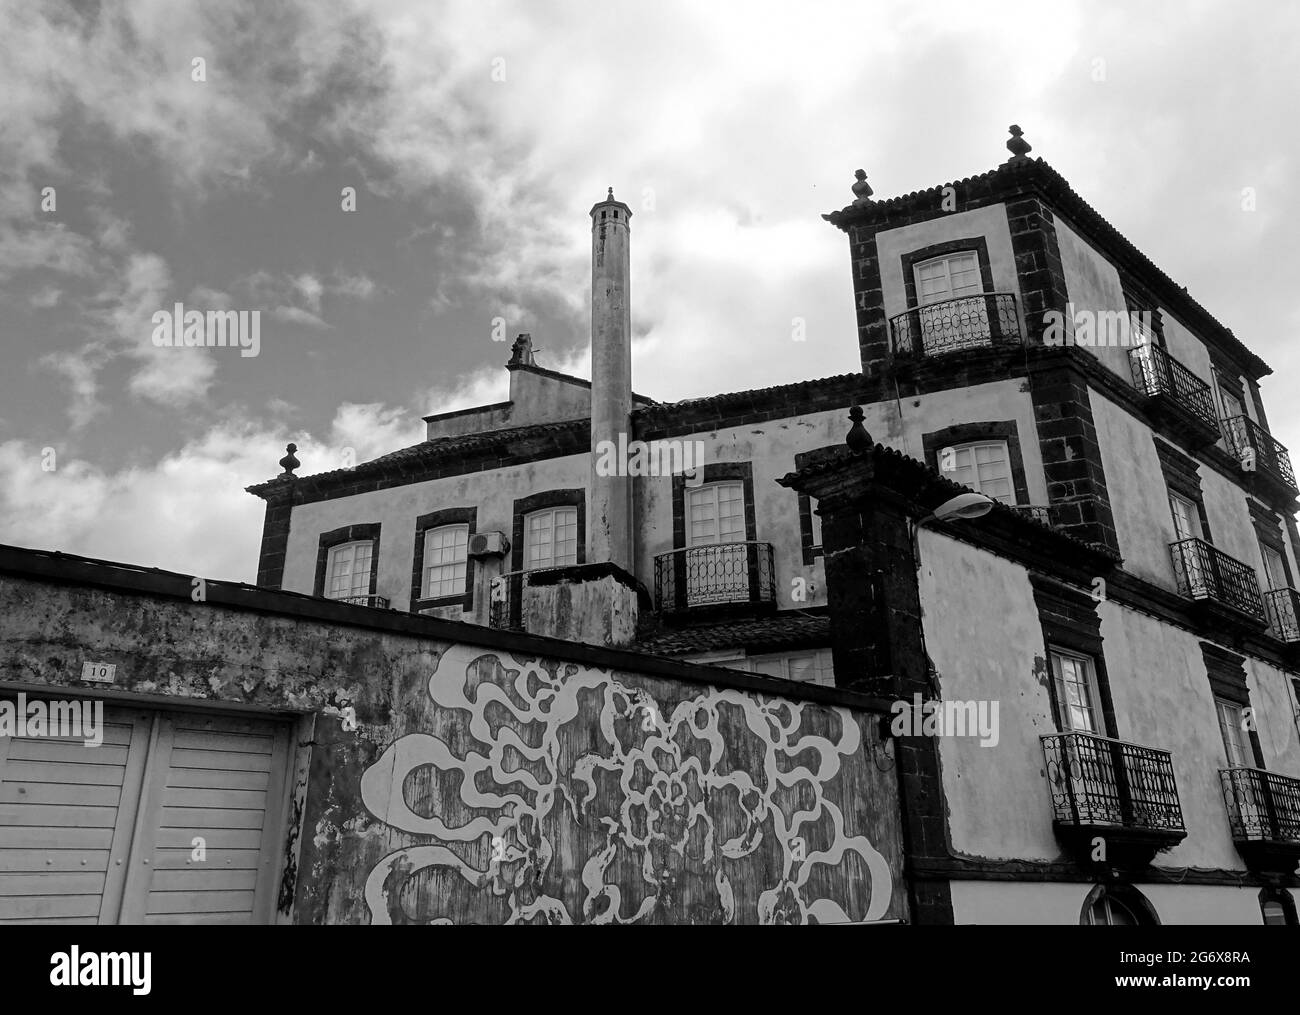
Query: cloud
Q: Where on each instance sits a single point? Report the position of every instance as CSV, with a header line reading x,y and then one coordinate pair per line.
x,y
296,315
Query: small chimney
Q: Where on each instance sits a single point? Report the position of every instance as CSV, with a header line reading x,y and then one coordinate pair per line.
x,y
609,498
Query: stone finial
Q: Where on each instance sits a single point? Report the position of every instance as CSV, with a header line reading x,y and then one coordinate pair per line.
x,y
610,197
861,188
1017,145
289,462
857,438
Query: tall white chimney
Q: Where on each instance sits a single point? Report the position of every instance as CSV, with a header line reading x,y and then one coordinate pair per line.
x,y
609,498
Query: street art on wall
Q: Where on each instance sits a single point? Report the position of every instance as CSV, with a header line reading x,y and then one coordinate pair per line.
x,y
549,792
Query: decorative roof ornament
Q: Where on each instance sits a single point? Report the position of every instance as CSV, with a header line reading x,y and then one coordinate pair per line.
x,y
522,349
857,438
861,189
1017,145
611,194
289,462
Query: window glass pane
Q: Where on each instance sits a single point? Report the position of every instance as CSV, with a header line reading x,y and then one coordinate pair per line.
x,y
1274,569
349,570
1231,726
984,467
1076,690
1187,521
445,561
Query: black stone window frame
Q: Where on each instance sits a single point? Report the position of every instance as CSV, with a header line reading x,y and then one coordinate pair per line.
x,y
1183,478
1283,898
809,547
716,473
975,433
1268,530
436,520
976,245
1069,621
524,506
1227,677
347,534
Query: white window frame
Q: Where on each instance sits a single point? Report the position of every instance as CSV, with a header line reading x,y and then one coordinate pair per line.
x,y
712,492
1091,709
1274,577
1232,729
978,482
1193,517
358,581
562,518
974,288
453,569
1224,396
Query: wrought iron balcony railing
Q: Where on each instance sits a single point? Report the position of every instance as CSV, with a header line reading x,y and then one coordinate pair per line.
x,y
963,322
1159,376
1257,450
1204,572
1096,781
1262,806
506,592
1283,613
716,574
378,602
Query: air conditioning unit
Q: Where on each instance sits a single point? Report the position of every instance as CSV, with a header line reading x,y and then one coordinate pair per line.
x,y
488,544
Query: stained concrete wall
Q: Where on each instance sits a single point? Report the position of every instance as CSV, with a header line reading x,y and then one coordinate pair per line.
x,y
990,647
486,778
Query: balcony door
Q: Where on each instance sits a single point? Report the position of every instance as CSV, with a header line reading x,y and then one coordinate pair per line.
x,y
716,557
946,326
1274,568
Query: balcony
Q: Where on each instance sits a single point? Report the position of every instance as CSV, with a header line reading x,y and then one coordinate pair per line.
x,y
506,609
955,325
1264,814
715,575
1174,394
1259,453
1283,607
377,602
1121,793
1223,585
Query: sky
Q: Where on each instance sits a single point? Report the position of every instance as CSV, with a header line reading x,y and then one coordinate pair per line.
x,y
166,151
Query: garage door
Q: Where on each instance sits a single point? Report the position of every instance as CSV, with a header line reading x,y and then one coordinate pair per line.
x,y
175,818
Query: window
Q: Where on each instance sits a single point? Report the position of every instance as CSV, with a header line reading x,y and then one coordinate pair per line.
x,y
816,530
1117,906
1277,907
1232,727
551,538
1187,518
715,513
349,570
793,666
943,278
1274,568
985,467
1229,403
1076,691
445,560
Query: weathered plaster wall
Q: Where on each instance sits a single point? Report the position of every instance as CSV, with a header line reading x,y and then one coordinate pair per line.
x,y
447,781
996,902
1140,499
1093,285
990,223
990,647
492,417
539,398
